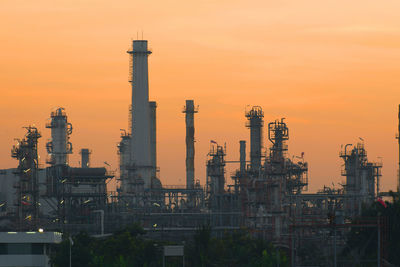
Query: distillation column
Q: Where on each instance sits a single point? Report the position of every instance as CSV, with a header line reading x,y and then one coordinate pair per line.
x,y
189,110
215,174
255,122
278,133
361,177
59,147
124,155
141,164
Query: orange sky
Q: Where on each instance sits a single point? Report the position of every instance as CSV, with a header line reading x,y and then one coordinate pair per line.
x,y
332,68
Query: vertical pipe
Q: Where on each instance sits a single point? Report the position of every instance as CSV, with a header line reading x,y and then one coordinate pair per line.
x,y
189,110
379,241
334,246
70,255
242,156
153,137
292,247
255,145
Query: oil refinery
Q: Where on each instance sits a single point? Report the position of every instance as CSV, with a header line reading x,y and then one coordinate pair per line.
x,y
267,194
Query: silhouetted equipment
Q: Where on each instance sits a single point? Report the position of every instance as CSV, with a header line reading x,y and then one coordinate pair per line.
x,y
59,147
255,122
141,168
266,196
189,111
27,195
85,157
361,178
242,156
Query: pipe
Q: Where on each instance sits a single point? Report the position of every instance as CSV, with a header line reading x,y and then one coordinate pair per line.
x,y
189,111
153,137
242,156
101,219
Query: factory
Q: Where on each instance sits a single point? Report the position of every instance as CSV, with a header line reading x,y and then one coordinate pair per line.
x,y
267,194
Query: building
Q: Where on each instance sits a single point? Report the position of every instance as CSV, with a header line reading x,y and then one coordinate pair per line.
x,y
25,249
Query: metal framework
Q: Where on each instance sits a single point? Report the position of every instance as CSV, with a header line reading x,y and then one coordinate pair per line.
x,y
59,147
362,178
26,152
266,194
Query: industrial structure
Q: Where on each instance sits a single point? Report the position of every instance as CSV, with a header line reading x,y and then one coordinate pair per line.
x,y
59,147
27,186
27,249
189,111
141,151
362,178
266,194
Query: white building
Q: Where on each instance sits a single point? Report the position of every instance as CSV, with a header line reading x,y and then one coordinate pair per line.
x,y
27,249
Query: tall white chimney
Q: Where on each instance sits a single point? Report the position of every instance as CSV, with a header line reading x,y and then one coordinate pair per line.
x,y
141,164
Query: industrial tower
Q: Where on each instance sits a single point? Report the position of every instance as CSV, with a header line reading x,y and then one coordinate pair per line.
x,y
255,122
189,111
26,152
140,143
59,147
362,178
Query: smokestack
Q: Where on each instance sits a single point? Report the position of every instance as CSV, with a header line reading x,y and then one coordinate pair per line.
x,y
242,156
85,158
153,137
189,110
140,128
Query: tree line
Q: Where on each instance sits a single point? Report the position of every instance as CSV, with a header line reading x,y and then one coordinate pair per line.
x,y
130,247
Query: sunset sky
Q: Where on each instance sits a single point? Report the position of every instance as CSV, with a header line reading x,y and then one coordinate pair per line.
x,y
331,68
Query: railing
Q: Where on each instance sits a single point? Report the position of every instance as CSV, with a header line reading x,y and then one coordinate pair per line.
x,y
174,186
58,112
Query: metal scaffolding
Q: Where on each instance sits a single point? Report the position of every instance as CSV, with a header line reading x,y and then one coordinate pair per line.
x,y
26,152
362,178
